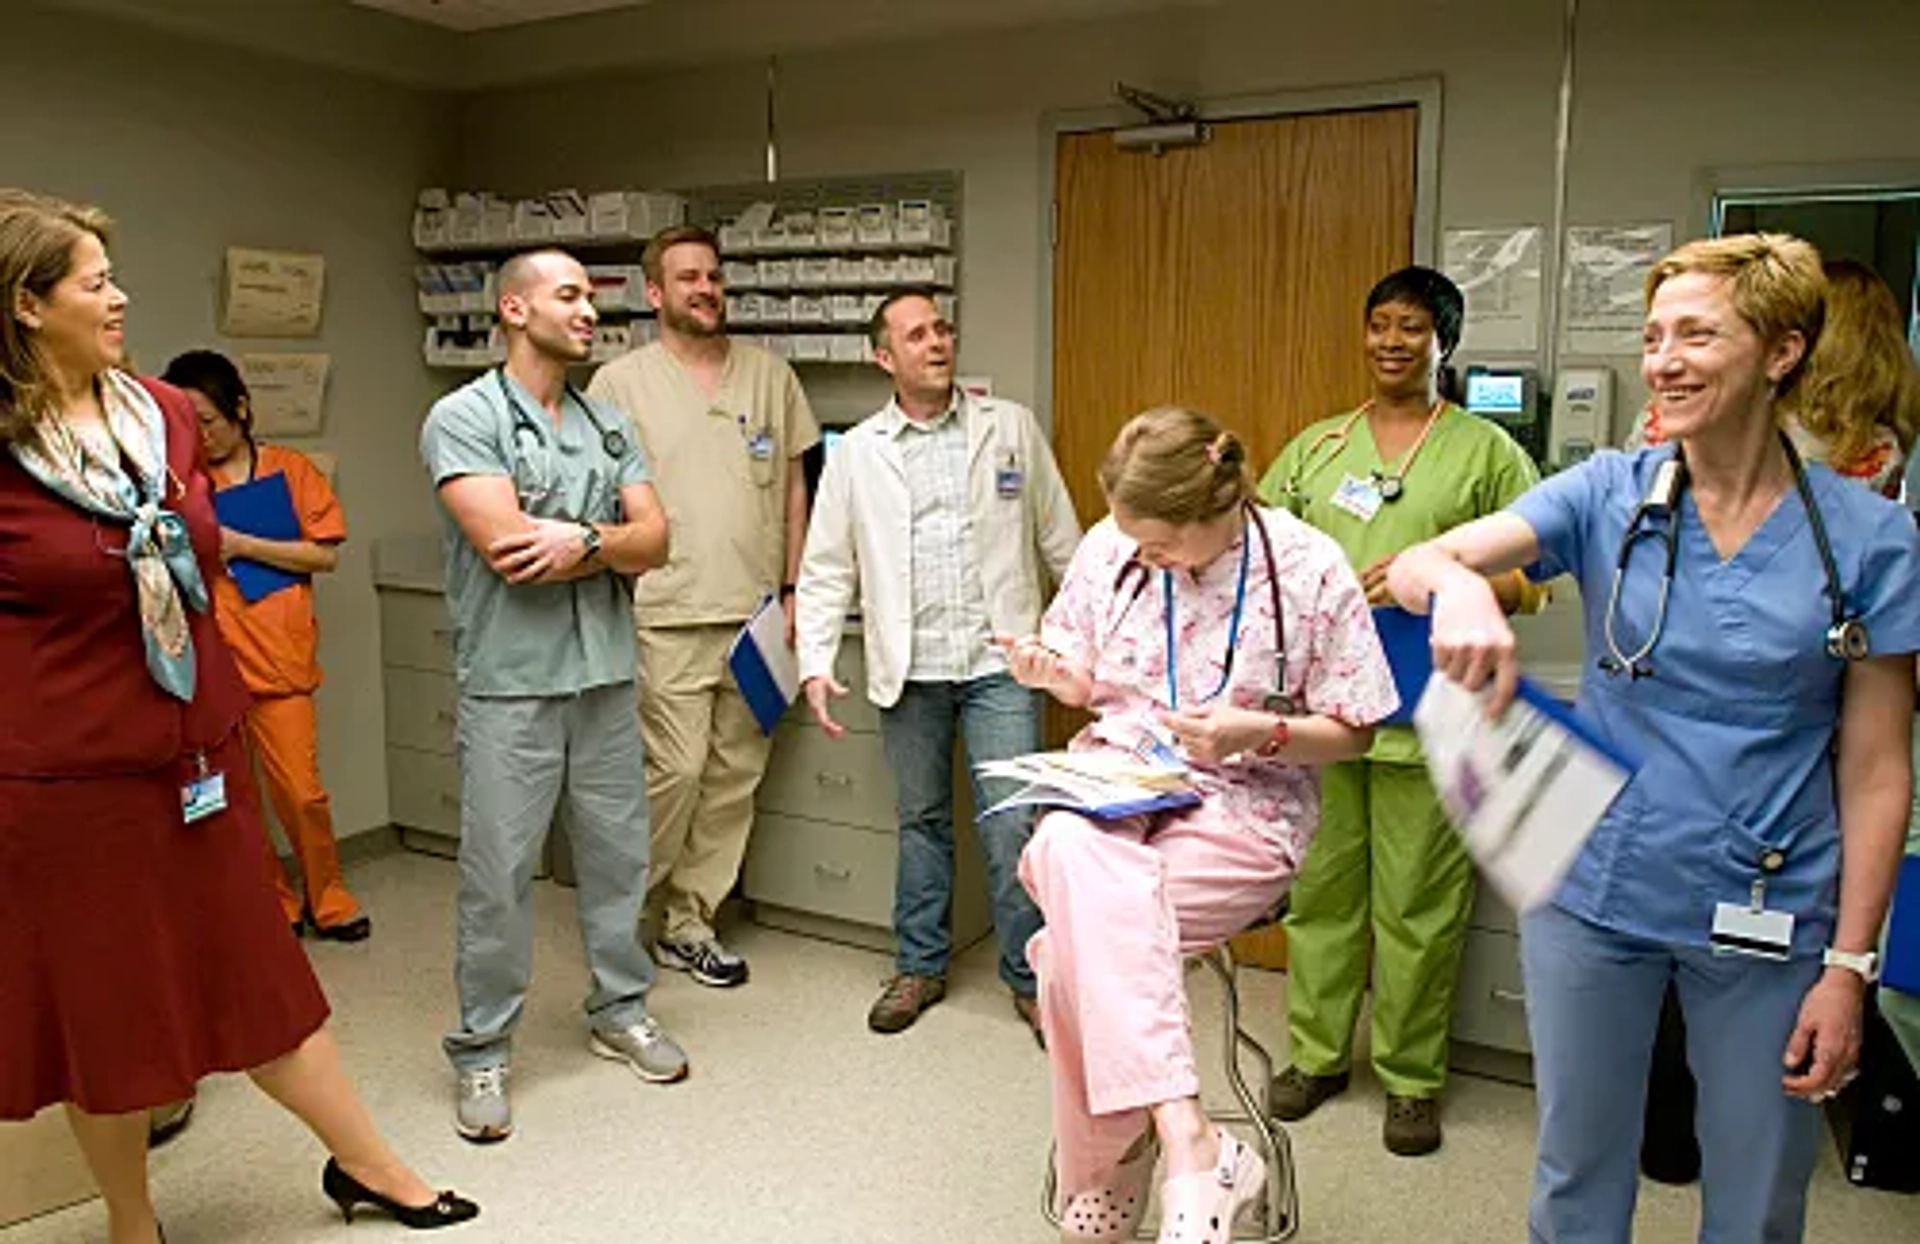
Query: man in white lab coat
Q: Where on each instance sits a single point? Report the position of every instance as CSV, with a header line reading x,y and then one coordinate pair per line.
x,y
947,513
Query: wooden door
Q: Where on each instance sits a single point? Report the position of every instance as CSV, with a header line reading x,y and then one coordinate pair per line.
x,y
1230,277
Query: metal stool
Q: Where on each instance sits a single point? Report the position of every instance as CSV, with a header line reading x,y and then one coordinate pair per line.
x,y
1269,1137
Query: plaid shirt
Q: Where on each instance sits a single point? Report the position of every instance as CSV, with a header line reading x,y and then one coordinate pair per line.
x,y
951,637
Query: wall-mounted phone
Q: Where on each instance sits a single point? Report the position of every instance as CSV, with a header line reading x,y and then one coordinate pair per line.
x,y
1582,413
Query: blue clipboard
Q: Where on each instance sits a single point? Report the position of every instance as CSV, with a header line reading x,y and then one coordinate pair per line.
x,y
1902,968
260,507
763,667
1407,639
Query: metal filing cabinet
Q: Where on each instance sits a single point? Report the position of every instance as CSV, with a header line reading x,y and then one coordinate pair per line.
x,y
826,838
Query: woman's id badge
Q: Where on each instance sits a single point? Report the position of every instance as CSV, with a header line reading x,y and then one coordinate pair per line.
x,y
1358,497
203,796
1751,928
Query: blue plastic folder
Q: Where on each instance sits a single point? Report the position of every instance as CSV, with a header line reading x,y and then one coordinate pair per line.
x,y
1902,968
764,667
1408,641
262,507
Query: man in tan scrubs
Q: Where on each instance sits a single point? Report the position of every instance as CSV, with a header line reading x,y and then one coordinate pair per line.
x,y
724,424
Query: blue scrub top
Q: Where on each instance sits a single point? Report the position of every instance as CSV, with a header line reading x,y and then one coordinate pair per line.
x,y
1735,729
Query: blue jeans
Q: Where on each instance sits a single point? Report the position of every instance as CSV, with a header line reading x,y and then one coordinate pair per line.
x,y
1593,1003
999,719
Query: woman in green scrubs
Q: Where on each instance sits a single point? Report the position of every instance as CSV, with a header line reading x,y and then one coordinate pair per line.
x,y
1386,880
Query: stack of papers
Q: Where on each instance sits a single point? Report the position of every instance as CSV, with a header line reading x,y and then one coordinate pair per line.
x,y
1525,791
1101,785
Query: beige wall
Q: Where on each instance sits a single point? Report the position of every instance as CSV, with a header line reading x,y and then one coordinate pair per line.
x,y
193,149
1665,91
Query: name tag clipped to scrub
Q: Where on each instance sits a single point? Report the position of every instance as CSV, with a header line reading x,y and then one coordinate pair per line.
x,y
1358,497
1008,480
1751,928
760,445
203,795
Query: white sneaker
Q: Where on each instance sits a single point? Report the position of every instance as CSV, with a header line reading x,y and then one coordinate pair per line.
x,y
482,1113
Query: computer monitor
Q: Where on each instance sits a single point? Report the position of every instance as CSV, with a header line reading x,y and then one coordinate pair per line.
x,y
1510,397
1497,394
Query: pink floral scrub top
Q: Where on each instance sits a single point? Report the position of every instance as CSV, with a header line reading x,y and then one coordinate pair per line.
x,y
1111,619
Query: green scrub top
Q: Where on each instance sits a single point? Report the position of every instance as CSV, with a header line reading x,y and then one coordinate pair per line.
x,y
1468,468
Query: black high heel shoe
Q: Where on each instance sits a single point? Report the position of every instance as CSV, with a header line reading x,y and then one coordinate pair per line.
x,y
447,1210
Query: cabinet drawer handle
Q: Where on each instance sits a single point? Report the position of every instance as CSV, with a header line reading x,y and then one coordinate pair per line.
x,y
446,716
449,801
1515,996
443,633
833,779
834,872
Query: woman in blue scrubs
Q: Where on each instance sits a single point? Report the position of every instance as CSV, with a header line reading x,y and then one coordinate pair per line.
x,y
1751,858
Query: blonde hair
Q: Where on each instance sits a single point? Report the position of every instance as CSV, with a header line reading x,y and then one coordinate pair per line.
x,y
1174,465
1775,284
37,237
1861,374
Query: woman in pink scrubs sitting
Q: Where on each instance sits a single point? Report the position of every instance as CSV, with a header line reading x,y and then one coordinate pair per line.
x,y
1166,630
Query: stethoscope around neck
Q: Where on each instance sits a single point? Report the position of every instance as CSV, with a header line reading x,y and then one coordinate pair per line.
x,y
1846,638
1278,699
612,440
1389,480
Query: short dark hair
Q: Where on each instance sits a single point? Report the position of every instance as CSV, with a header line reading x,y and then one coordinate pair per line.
x,y
1431,291
674,235
877,322
213,375
523,269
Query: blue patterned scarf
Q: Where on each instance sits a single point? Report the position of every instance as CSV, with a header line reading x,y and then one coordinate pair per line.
x,y
157,550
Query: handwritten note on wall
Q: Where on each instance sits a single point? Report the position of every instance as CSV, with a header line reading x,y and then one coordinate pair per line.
x,y
272,293
288,392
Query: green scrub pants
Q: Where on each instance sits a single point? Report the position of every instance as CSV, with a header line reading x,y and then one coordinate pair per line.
x,y
1386,872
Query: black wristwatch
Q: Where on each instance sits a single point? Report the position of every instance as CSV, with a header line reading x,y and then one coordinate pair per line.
x,y
786,590
590,539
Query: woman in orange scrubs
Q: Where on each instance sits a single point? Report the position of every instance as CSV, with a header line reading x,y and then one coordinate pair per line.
x,y
275,640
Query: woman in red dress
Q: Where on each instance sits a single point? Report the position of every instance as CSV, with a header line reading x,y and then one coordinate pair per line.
x,y
140,946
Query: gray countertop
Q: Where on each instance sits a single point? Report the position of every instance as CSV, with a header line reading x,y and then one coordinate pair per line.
x,y
412,563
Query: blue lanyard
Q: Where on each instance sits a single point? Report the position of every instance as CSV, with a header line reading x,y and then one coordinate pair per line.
x,y
1233,627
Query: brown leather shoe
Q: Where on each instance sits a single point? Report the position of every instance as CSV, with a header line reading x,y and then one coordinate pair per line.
x,y
1029,1010
1412,1128
906,995
1296,1094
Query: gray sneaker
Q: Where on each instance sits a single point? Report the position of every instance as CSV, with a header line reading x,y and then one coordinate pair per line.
x,y
481,1112
645,1047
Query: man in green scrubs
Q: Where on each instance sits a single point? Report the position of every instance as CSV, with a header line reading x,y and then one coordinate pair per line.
x,y
1386,875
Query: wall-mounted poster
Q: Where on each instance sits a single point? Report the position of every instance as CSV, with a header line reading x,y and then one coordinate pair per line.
x,y
288,392
272,293
1499,272
1606,284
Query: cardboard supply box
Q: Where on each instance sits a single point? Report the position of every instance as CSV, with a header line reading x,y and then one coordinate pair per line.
x,y
41,1169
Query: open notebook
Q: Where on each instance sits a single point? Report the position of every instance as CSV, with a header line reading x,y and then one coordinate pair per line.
x,y
1101,785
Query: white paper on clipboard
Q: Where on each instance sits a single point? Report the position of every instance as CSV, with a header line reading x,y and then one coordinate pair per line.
x,y
1523,792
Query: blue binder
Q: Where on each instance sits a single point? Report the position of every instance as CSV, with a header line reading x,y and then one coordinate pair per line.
x,y
763,666
1902,968
260,507
1408,641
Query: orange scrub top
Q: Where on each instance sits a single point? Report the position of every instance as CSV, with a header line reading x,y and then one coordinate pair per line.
x,y
276,640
